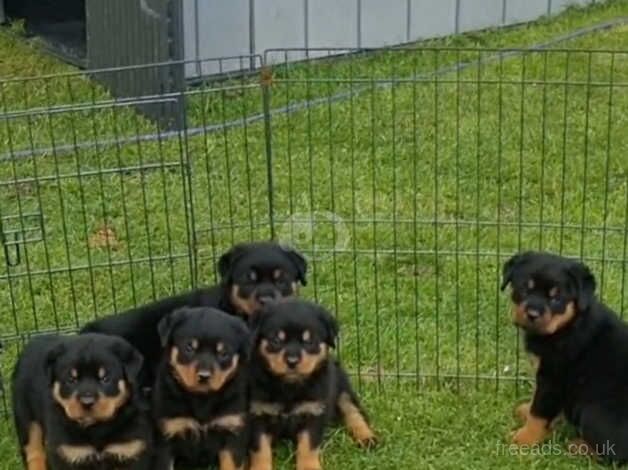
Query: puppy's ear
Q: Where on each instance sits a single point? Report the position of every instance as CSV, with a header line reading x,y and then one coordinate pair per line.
x,y
130,358
331,326
167,324
584,283
299,262
227,260
512,265
51,358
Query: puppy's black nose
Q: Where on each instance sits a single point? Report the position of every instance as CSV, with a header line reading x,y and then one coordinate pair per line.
x,y
266,299
292,361
203,376
533,314
87,400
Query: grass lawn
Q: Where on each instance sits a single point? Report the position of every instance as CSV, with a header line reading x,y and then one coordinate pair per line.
x,y
406,198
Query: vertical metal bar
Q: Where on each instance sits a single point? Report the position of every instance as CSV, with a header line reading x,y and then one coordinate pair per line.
x,y
436,222
457,221
266,78
478,179
521,145
310,163
289,145
354,212
609,127
393,93
457,17
587,112
408,20
543,149
372,143
247,155
415,208
500,119
205,96
225,139
563,183
332,189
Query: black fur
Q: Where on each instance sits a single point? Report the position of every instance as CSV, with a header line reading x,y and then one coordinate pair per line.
x,y
139,325
206,327
285,393
49,360
582,371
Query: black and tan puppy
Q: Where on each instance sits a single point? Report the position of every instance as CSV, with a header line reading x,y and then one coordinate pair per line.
x,y
581,350
296,387
75,405
251,274
199,397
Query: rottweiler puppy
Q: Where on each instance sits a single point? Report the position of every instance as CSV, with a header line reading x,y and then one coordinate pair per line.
x,y
199,396
75,405
252,274
296,387
580,347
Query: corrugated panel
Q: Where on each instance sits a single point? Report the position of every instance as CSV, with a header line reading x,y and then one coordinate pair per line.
x,y
519,11
429,19
220,28
384,23
134,32
332,23
479,14
279,24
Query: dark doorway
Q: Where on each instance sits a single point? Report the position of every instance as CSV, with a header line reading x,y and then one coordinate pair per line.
x,y
59,23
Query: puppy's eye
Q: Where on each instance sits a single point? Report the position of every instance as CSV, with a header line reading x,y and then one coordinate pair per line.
x,y
223,355
190,347
70,380
105,379
275,342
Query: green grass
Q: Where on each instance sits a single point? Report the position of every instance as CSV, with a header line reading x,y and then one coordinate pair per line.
x,y
418,193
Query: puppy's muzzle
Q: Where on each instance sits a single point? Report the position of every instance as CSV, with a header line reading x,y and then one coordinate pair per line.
x,y
203,376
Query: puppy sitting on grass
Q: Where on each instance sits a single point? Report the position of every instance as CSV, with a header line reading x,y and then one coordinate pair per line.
x,y
75,405
296,388
199,396
580,347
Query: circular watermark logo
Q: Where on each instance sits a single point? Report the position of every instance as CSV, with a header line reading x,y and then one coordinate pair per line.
x,y
323,232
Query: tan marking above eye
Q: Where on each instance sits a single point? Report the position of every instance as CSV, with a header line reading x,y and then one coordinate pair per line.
x,y
281,335
74,373
307,336
194,343
277,274
101,372
554,292
220,347
253,275
530,283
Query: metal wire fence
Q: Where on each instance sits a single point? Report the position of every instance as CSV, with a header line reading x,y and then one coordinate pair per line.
x,y
406,176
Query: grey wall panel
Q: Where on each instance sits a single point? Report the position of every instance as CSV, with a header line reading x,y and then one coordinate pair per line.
x,y
223,30
479,14
2,16
279,23
332,23
384,23
189,9
430,19
519,11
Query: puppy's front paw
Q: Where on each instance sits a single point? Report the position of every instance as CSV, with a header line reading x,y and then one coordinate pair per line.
x,y
368,442
527,436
